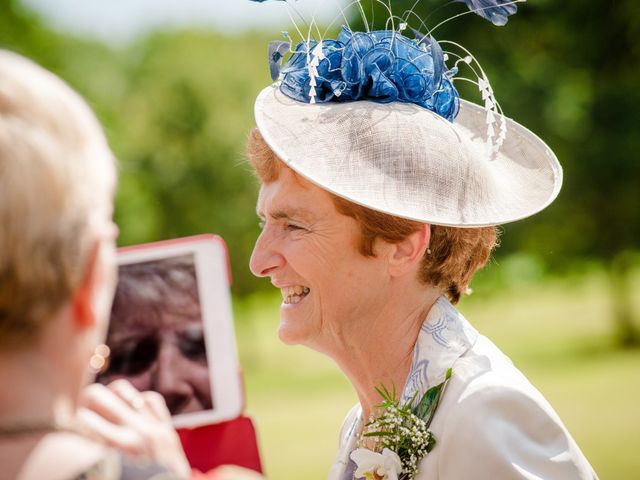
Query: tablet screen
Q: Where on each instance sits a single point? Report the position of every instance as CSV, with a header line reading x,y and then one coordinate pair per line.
x,y
157,336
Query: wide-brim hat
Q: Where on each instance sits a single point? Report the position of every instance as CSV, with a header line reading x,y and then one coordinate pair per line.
x,y
405,160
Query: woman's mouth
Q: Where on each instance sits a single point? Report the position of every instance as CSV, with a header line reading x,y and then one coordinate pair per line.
x,y
294,294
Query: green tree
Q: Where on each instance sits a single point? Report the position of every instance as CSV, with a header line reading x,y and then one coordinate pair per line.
x,y
177,108
185,112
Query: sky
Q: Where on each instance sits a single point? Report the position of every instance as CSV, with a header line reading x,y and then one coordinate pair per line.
x,y
120,21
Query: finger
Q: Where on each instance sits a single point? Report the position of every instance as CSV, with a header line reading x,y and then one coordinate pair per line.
x,y
148,402
157,406
128,394
117,436
109,405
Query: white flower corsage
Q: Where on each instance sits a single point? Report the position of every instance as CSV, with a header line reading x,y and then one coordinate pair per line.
x,y
373,465
392,444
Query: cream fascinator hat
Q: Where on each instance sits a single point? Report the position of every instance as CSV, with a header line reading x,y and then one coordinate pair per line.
x,y
374,117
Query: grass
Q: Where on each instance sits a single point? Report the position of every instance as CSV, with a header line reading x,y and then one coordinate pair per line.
x,y
558,332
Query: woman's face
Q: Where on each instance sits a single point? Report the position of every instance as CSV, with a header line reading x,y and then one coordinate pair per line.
x,y
310,252
164,351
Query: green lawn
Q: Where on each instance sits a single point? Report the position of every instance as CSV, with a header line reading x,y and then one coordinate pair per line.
x,y
557,332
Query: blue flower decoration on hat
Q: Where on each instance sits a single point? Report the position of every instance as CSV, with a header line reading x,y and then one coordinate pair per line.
x,y
496,11
380,66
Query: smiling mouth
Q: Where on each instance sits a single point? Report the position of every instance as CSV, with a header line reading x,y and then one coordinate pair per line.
x,y
292,295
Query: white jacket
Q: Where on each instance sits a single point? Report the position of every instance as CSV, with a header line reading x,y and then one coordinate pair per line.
x,y
491,422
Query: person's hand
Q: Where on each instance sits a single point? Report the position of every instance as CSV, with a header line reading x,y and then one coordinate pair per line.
x,y
136,423
231,472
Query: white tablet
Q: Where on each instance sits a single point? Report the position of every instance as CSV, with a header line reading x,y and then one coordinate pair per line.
x,y
172,329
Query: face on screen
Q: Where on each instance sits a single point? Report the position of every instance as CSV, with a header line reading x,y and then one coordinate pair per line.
x,y
156,333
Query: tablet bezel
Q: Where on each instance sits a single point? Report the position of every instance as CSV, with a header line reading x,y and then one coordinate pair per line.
x,y
211,261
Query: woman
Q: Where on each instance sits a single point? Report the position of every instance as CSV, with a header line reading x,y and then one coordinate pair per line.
x,y
57,276
380,191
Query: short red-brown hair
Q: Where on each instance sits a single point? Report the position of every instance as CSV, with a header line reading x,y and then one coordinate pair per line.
x,y
456,253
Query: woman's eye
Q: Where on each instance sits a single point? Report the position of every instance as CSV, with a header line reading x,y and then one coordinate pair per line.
x,y
291,226
193,349
134,357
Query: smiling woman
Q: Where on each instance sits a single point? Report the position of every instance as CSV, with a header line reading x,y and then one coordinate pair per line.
x,y
380,192
307,246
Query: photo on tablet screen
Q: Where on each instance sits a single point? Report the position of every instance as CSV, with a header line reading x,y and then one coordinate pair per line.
x,y
157,336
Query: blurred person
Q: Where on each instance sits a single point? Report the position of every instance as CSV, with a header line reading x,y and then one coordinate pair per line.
x,y
57,277
380,192
156,334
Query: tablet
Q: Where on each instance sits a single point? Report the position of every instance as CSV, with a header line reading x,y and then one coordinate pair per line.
x,y
171,328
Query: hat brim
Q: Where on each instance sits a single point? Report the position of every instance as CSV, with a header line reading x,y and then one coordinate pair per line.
x,y
404,160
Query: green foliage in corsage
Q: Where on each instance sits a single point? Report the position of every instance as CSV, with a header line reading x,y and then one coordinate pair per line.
x,y
403,430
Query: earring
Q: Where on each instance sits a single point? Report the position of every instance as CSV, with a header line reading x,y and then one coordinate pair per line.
x,y
428,251
100,359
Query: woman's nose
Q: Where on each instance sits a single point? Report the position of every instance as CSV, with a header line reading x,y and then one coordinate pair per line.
x,y
171,378
265,257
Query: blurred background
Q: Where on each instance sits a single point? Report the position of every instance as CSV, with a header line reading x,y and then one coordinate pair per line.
x,y
174,84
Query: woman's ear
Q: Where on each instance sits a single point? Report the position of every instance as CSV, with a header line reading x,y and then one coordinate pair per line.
x,y
83,298
407,254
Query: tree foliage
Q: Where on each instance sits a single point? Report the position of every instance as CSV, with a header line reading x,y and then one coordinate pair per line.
x,y
177,108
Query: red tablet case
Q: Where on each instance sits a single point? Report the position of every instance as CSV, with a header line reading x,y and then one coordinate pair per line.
x,y
227,443
233,442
